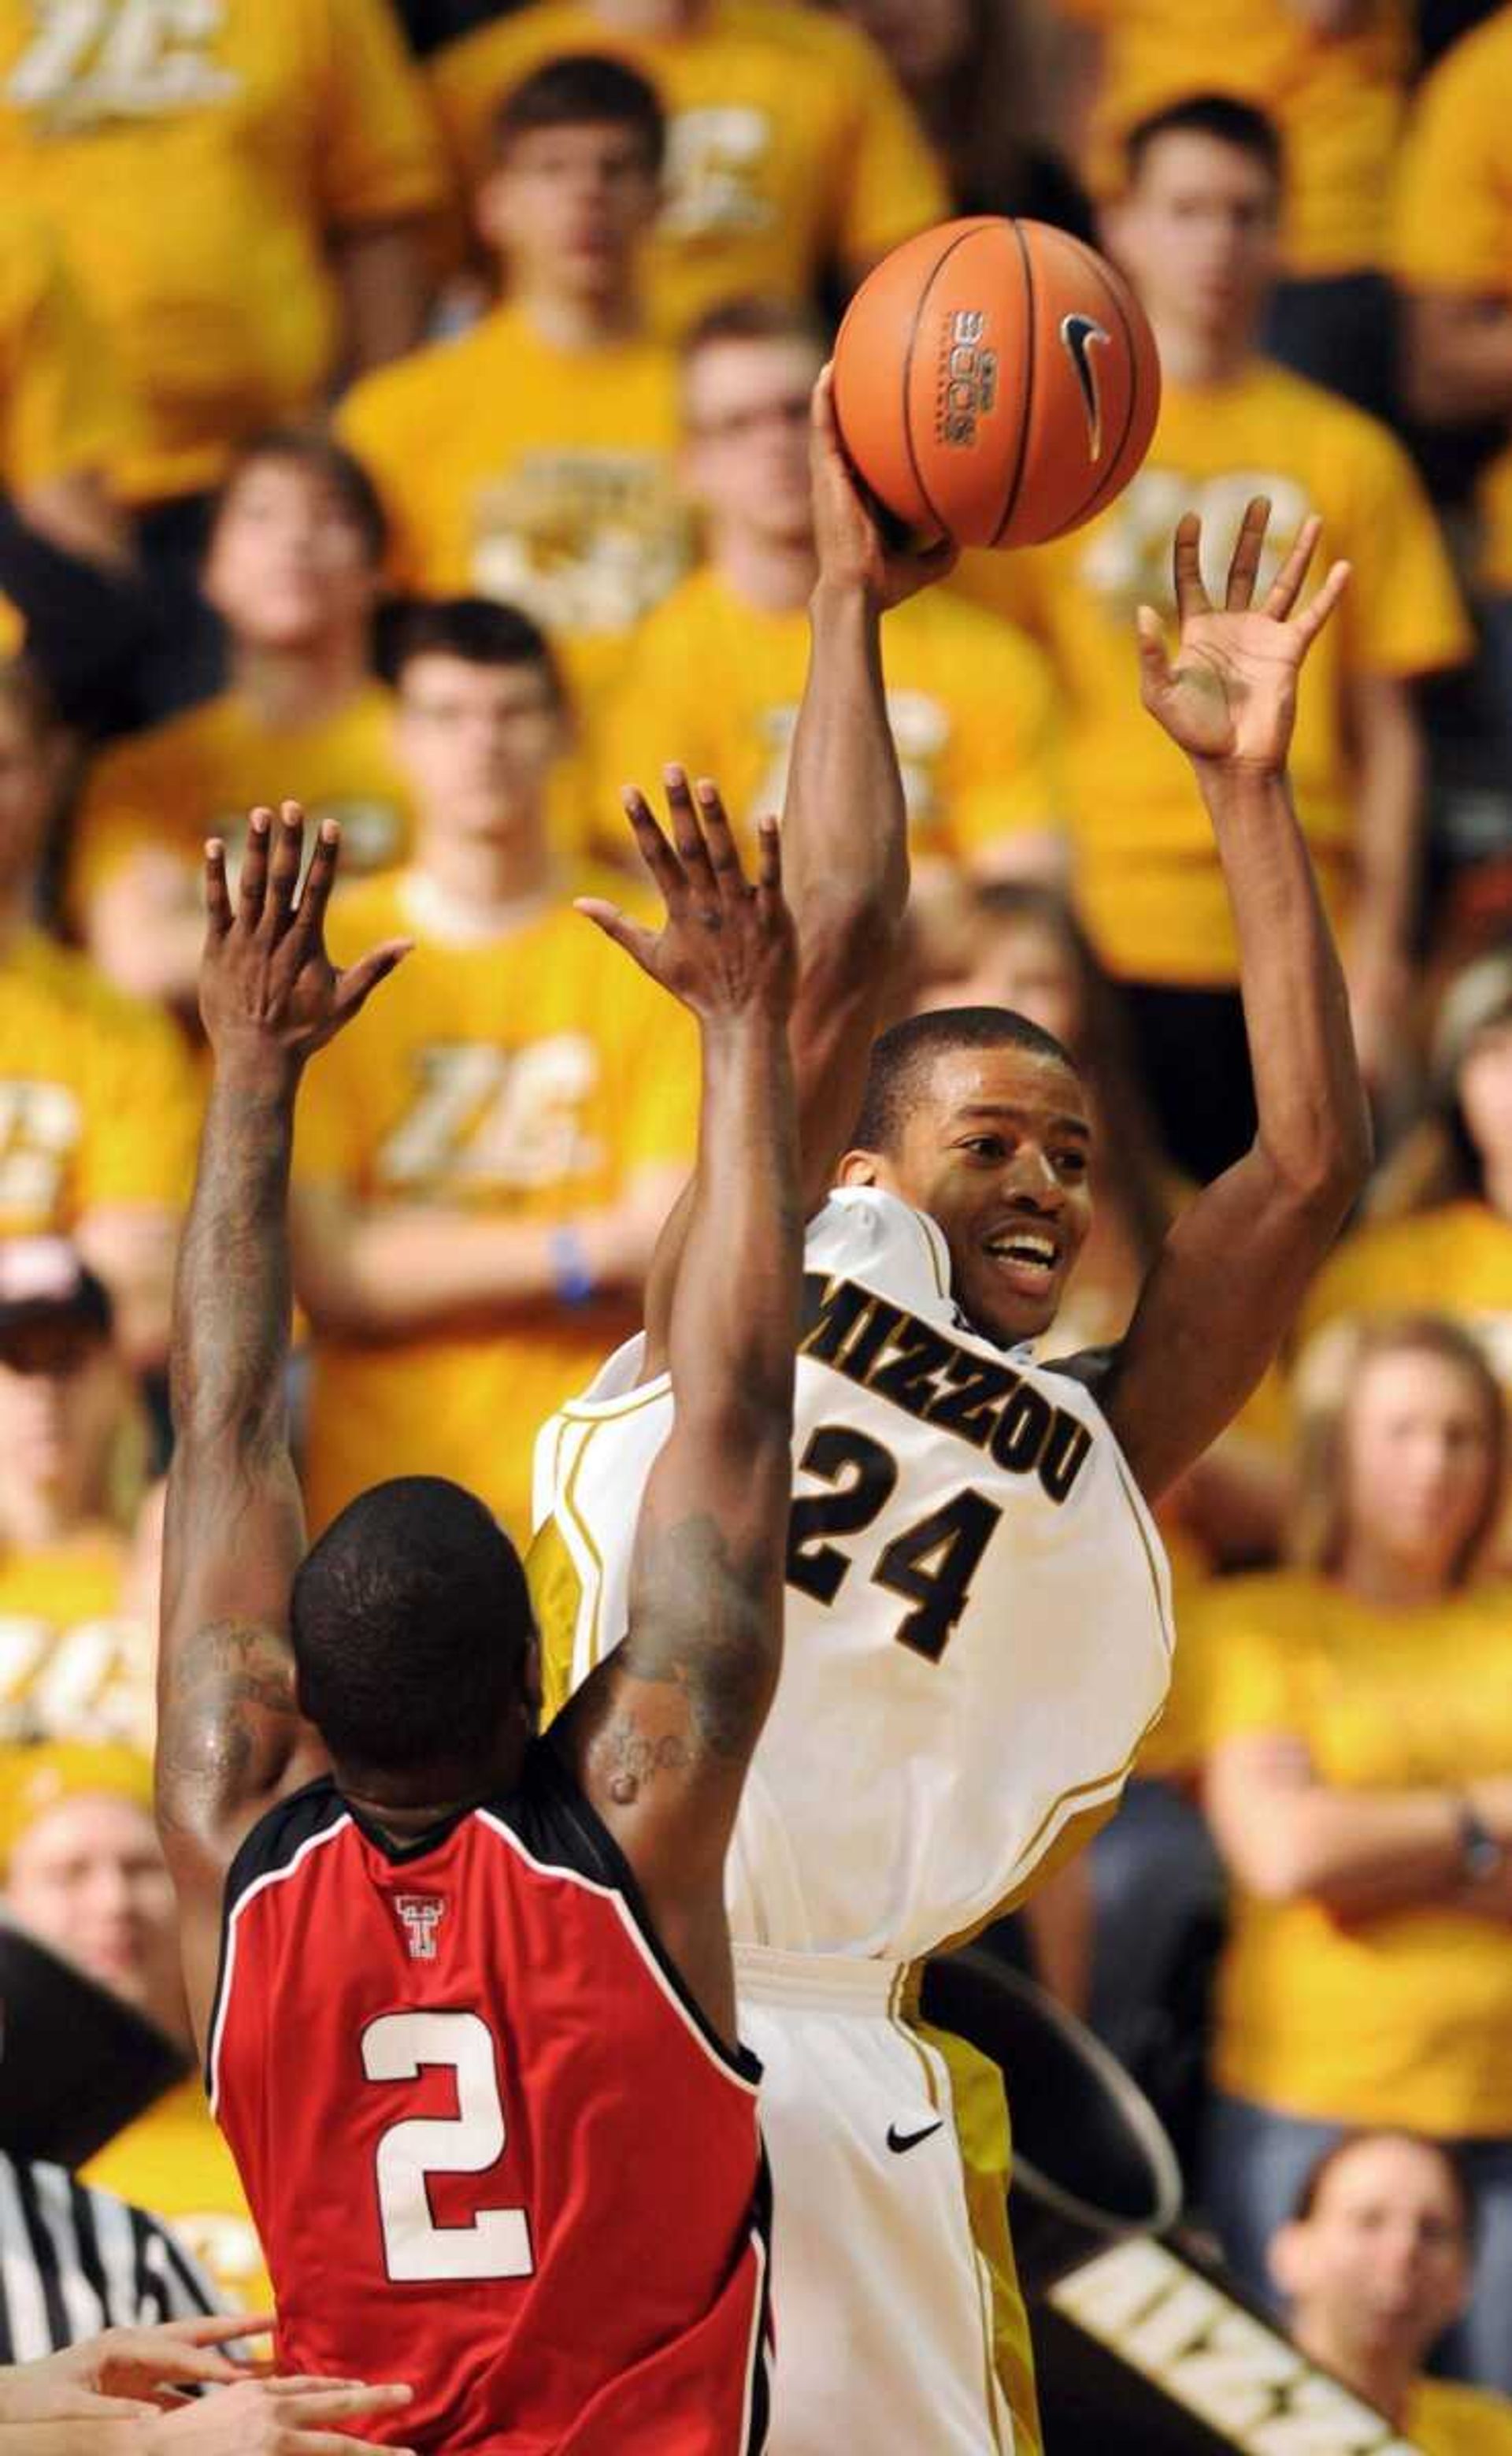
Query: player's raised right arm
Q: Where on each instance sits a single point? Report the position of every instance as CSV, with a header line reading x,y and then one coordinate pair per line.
x,y
845,830
661,1737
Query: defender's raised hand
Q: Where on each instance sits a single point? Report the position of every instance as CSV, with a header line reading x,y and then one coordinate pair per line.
x,y
849,535
725,947
266,983
1231,695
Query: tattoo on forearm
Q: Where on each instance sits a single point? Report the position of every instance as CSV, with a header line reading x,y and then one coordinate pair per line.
x,y
234,1299
232,1695
705,1619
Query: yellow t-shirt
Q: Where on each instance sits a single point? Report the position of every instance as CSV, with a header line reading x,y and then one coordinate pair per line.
x,y
172,2162
98,1103
1453,223
1338,102
1446,2419
163,792
195,160
528,1077
716,683
72,1666
1148,880
540,476
789,144
1397,2020
1455,1260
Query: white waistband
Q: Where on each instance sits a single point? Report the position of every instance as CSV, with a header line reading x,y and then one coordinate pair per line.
x,y
839,1982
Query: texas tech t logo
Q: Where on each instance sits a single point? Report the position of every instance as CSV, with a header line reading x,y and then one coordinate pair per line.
x,y
422,1915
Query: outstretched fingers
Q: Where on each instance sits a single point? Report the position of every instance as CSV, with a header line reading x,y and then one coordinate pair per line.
x,y
687,835
656,854
1155,666
1186,569
1244,564
1287,586
1313,617
637,942
309,920
252,888
283,868
217,893
357,984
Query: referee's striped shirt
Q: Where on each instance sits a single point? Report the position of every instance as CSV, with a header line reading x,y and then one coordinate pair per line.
x,y
73,2261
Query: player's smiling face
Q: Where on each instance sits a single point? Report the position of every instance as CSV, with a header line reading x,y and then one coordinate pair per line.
x,y
998,1150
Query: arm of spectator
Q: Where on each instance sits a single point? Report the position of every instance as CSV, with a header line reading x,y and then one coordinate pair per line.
x,y
1456,357
132,1247
1060,1914
85,623
389,1270
144,927
1287,1835
1391,770
74,511
383,271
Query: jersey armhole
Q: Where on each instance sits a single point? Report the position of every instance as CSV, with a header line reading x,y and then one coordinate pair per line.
x,y
586,1846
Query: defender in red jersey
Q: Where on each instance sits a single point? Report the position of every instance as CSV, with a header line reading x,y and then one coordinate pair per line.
x,y
465,1993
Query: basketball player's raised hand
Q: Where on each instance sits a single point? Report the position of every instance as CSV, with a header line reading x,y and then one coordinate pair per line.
x,y
725,947
1231,695
849,536
267,987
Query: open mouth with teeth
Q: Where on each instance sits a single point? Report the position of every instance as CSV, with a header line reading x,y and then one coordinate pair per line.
x,y
1027,1258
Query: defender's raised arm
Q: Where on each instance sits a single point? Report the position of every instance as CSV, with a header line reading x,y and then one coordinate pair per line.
x,y
661,1734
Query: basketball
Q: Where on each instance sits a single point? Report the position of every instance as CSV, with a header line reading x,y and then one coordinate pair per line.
x,y
997,379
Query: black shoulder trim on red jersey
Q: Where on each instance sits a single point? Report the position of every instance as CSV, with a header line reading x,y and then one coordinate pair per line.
x,y
560,1826
272,1844
765,2339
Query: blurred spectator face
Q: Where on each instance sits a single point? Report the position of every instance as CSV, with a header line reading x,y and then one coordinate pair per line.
x,y
61,1401
922,42
568,207
1382,2259
29,779
1023,964
1197,232
745,460
1485,1087
1418,1451
288,563
88,1876
479,742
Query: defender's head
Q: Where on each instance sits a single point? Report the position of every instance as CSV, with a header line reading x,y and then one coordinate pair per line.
x,y
978,1117
414,1644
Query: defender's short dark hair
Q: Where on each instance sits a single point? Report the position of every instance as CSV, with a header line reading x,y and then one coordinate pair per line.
x,y
323,458
1243,125
409,1621
477,629
583,90
905,1056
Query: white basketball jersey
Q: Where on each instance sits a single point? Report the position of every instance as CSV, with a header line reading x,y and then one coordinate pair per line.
x,y
978,1632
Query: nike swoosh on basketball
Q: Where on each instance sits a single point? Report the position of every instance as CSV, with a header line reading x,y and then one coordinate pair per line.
x,y
1078,334
898,2141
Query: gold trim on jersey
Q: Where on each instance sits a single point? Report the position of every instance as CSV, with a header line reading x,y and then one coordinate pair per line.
x,y
608,1411
928,1229
582,1529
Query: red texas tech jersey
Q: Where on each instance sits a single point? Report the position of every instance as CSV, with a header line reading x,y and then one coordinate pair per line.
x,y
491,2146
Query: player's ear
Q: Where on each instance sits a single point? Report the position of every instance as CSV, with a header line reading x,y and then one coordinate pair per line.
x,y
859,1168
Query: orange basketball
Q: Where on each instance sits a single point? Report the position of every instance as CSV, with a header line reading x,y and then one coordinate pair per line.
x,y
997,379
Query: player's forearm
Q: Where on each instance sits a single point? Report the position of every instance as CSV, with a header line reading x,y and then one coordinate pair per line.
x,y
845,828
1314,1122
734,1318
1458,361
233,1300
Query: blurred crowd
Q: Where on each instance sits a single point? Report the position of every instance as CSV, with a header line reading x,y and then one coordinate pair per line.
x,y
405,409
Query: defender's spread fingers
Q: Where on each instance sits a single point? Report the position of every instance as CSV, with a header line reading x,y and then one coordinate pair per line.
x,y
654,850
218,895
1186,568
252,886
283,872
1287,586
724,853
1248,548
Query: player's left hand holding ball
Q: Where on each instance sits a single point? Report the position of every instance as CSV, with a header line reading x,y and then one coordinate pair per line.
x,y
1231,696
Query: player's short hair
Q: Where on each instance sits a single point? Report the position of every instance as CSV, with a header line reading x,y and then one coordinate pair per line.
x,y
409,1621
902,1061
1323,2165
1223,117
476,630
583,90
323,459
